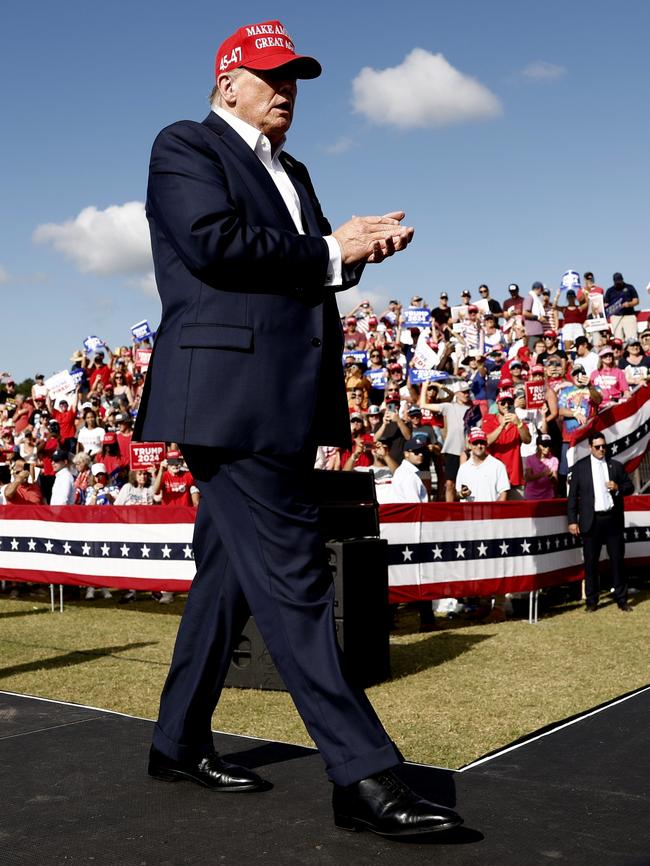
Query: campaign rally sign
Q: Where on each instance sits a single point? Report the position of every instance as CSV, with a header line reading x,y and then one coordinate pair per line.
x,y
378,378
142,358
535,395
424,358
60,383
417,377
570,280
359,357
141,331
146,454
77,376
416,317
93,344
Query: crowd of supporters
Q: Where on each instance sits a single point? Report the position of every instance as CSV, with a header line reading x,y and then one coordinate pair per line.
x,y
528,372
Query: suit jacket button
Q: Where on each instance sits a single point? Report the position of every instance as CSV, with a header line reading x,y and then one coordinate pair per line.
x,y
316,342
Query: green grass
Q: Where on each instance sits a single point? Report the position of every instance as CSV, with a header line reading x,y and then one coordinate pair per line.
x,y
456,693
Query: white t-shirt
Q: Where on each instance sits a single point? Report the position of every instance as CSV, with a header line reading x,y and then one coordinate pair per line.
x,y
485,480
91,439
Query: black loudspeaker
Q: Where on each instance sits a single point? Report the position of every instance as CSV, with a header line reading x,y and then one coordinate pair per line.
x,y
360,575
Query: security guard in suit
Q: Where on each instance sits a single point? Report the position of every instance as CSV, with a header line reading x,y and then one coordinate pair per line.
x,y
597,485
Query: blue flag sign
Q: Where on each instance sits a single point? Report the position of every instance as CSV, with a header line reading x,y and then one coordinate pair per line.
x,y
141,331
570,280
416,377
378,378
359,357
416,317
93,344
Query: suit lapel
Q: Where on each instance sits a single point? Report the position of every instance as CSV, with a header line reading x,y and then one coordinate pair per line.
x,y
254,167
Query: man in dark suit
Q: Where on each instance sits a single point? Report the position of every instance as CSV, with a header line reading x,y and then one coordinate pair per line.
x,y
244,256
597,485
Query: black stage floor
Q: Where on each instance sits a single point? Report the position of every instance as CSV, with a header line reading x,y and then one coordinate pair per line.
x,y
74,791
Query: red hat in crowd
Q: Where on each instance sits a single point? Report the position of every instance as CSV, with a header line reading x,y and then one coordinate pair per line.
x,y
393,398
373,320
551,334
505,394
109,438
537,369
393,368
506,382
477,435
616,343
350,320
173,454
264,46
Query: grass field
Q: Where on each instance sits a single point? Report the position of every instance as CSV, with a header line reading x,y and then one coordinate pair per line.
x,y
456,693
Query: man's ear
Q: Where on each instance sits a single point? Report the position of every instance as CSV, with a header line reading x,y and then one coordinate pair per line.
x,y
228,89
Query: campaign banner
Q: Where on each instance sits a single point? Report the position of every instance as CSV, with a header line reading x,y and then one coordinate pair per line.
x,y
93,344
535,395
616,309
625,426
378,378
435,550
357,355
416,317
142,359
77,376
417,377
142,455
141,331
60,383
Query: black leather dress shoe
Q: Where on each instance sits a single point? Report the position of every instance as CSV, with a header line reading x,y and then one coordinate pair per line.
x,y
625,607
385,805
209,771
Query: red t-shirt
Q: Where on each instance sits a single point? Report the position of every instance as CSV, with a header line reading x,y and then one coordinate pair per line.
x,y
103,373
46,453
506,448
27,494
66,422
175,489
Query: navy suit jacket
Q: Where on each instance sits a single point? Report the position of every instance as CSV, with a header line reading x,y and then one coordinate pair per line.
x,y
249,348
580,500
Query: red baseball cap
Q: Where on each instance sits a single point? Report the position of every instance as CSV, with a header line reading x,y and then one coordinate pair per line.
x,y
109,438
264,46
477,435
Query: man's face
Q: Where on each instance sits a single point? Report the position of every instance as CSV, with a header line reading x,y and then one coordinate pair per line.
x,y
266,100
598,447
479,452
415,457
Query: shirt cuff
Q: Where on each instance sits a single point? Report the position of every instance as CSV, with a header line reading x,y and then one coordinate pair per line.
x,y
334,267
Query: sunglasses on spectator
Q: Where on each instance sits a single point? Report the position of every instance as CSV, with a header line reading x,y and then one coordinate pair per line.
x,y
506,403
599,447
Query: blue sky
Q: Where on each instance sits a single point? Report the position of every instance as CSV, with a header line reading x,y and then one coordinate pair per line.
x,y
529,158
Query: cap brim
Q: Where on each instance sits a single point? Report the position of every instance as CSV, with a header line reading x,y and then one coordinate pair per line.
x,y
298,65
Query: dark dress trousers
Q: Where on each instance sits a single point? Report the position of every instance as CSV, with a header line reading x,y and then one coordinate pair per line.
x,y
599,528
246,375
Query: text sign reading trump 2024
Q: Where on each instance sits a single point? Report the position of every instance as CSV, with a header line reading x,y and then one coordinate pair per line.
x,y
146,454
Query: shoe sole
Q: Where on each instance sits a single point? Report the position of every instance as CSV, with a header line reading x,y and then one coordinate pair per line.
x,y
180,776
355,825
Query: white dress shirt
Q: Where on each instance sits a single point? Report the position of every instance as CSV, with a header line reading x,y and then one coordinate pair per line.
x,y
261,147
600,476
406,485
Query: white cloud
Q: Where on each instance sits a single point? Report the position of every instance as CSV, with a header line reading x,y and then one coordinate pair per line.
x,y
5,276
146,283
424,90
540,70
341,145
105,242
